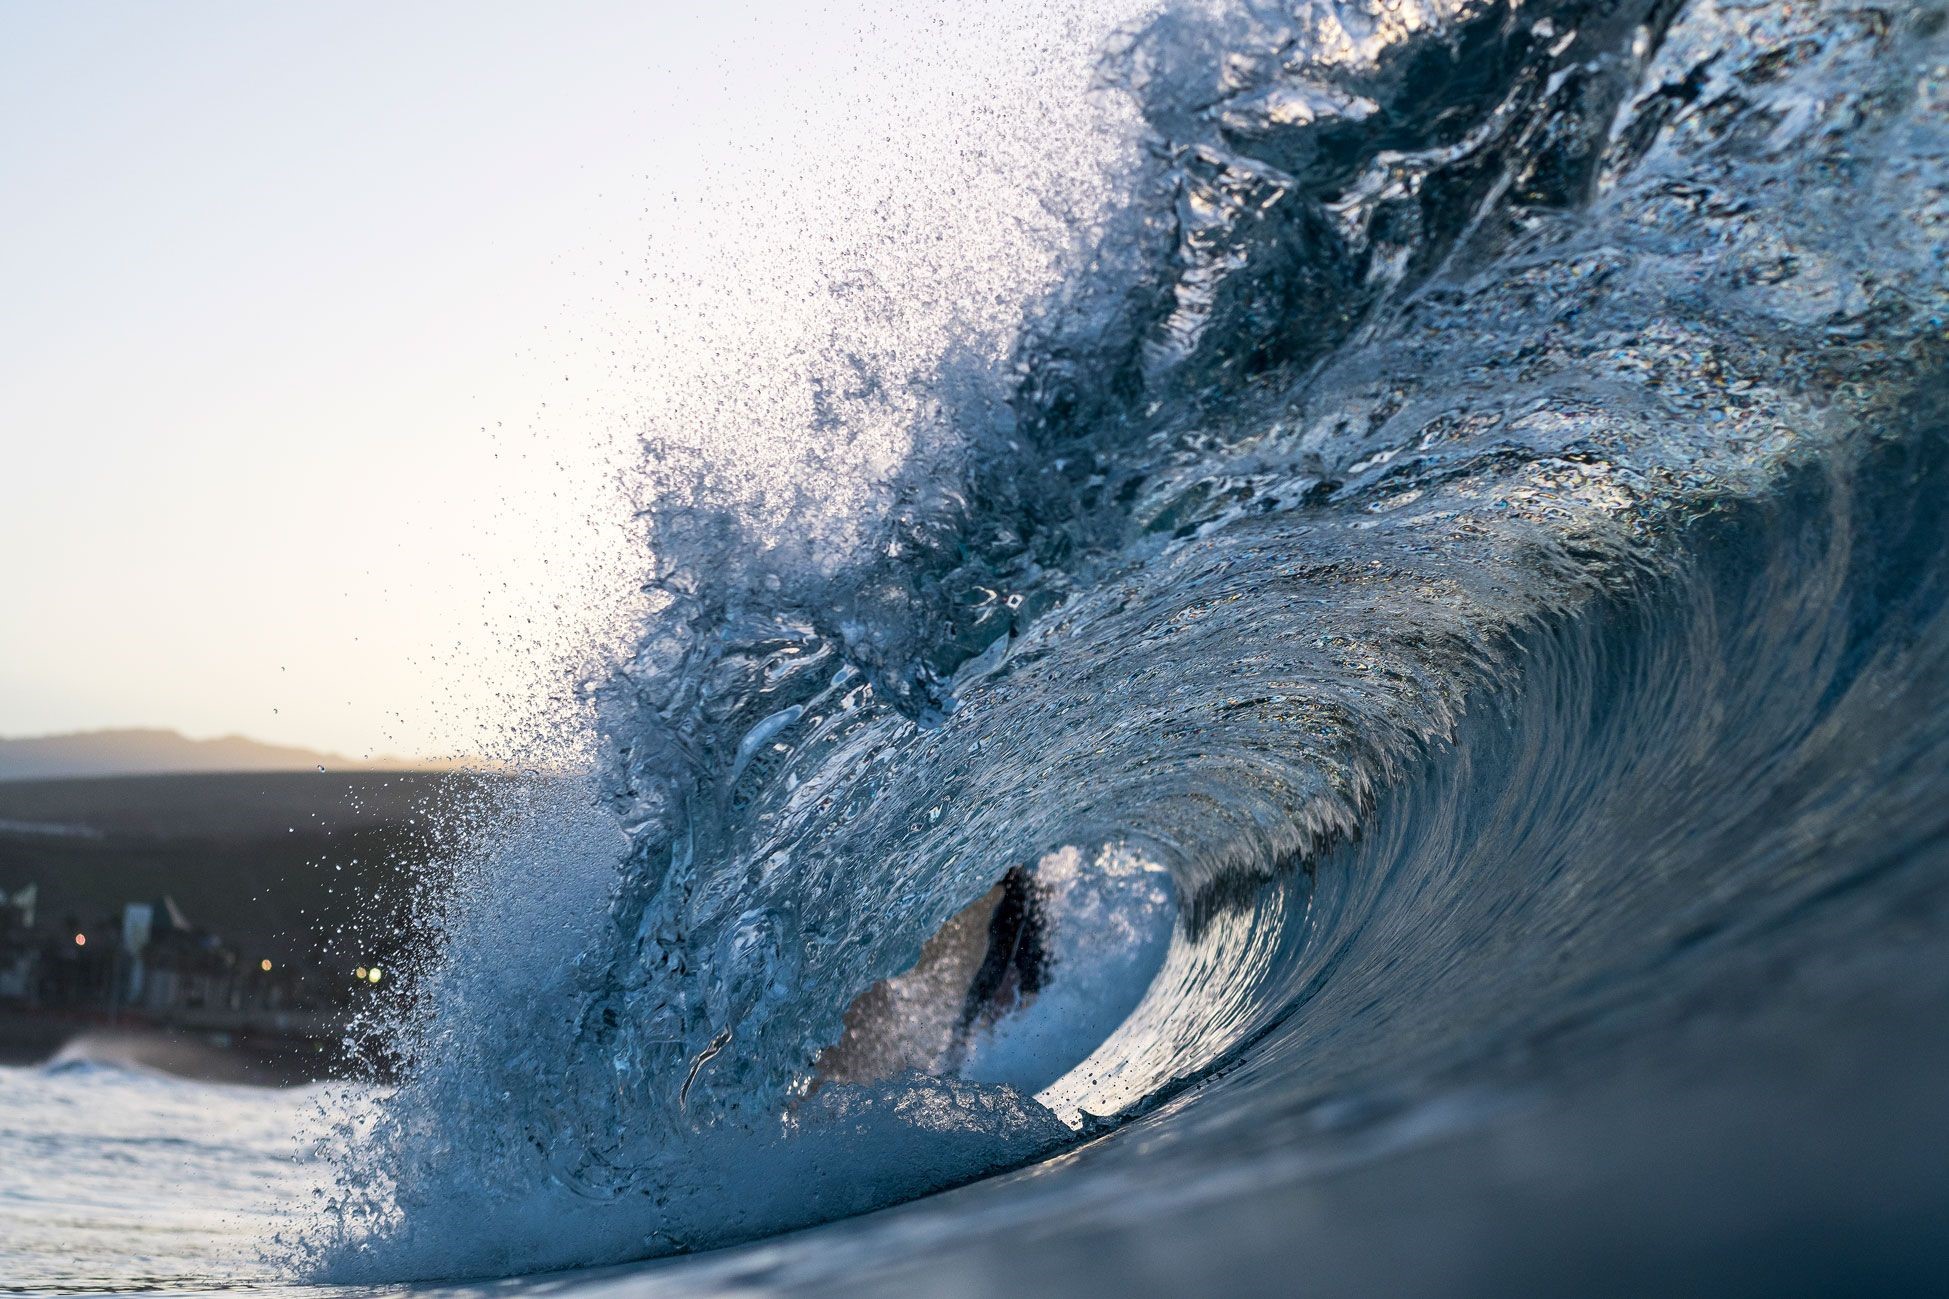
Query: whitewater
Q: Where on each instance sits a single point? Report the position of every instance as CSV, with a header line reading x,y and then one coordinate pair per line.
x,y
1414,601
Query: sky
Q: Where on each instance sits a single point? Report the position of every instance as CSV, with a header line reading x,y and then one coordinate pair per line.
x,y
320,346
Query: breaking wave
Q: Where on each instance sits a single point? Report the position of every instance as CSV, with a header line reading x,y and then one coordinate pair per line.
x,y
1435,559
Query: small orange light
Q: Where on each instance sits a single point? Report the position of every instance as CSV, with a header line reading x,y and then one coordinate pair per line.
x,y
359,974
81,940
264,966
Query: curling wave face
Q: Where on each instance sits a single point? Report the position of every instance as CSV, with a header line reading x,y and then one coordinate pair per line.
x,y
1469,518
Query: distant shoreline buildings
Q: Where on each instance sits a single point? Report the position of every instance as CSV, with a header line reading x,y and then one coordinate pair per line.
x,y
152,966
254,913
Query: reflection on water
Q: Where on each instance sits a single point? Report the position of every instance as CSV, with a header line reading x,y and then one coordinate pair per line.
x,y
116,1178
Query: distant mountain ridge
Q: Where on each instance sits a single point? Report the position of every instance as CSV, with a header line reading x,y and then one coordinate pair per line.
x,y
145,752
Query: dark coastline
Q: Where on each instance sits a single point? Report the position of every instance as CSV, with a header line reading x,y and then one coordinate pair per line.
x,y
291,884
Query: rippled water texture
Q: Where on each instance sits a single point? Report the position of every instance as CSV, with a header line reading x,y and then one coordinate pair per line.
x,y
118,1179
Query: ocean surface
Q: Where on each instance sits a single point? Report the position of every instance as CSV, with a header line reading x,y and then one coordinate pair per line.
x,y
1431,598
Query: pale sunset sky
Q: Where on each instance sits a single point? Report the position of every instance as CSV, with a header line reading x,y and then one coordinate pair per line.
x,y
317,346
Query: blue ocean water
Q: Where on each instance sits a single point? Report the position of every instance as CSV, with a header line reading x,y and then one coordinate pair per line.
x,y
1440,608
